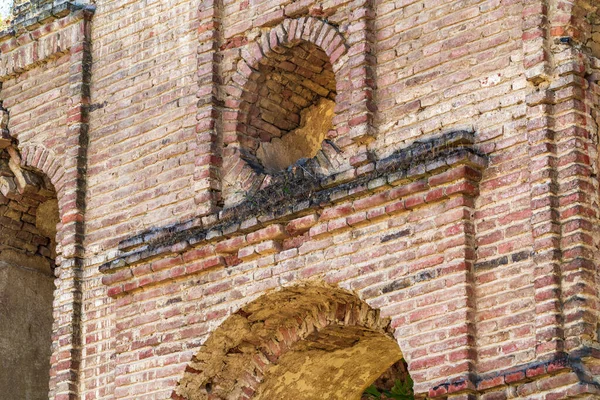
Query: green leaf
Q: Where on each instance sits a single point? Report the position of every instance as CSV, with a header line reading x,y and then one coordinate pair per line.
x,y
372,391
402,390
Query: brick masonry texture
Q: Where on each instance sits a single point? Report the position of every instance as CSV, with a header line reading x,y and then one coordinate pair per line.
x,y
452,209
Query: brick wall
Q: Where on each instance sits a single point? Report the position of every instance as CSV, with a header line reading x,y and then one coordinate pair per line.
x,y
456,193
144,114
45,92
446,66
37,101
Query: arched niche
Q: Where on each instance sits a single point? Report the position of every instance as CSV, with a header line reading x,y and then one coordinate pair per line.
x,y
302,342
293,108
290,89
28,220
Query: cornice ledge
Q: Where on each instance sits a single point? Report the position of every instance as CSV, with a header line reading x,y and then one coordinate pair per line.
x,y
294,193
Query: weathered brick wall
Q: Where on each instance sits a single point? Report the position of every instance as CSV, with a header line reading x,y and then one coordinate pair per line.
x,y
438,67
28,218
142,146
56,149
446,66
37,101
21,238
481,246
356,245
143,118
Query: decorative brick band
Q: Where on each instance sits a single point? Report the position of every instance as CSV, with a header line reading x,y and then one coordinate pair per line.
x,y
526,375
28,49
393,185
504,260
31,14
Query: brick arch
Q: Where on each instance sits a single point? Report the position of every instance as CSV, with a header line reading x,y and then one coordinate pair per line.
x,y
292,31
249,355
32,155
30,262
66,307
238,166
39,157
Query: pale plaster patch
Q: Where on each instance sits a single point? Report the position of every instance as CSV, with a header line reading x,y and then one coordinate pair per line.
x,y
340,369
46,218
302,142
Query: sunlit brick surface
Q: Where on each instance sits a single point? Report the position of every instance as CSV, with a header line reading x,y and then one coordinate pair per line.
x,y
454,194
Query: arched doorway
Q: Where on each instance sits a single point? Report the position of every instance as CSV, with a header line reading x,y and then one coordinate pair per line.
x,y
302,342
28,218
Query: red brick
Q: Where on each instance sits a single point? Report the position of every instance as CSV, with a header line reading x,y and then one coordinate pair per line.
x,y
301,225
272,232
231,245
336,212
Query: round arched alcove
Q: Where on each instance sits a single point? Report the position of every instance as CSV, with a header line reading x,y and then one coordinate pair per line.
x,y
293,108
28,219
337,362
304,342
283,105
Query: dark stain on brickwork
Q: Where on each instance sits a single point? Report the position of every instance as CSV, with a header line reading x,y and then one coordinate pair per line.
x,y
395,235
520,256
557,363
425,276
496,262
397,285
490,264
97,106
174,300
407,282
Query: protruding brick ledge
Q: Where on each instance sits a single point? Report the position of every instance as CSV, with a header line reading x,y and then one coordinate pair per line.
x,y
521,374
29,20
25,46
425,172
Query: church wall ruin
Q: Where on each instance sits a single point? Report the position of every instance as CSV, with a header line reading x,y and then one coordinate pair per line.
x,y
455,190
